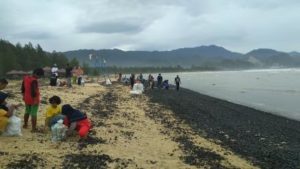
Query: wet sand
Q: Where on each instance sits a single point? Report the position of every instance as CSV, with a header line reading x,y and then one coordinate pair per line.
x,y
159,129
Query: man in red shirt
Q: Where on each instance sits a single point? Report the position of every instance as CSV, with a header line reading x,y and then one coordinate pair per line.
x,y
31,97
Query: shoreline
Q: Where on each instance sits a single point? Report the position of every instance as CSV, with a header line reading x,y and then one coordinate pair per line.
x,y
267,140
272,112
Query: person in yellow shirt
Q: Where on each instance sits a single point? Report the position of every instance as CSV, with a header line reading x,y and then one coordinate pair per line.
x,y
4,112
53,112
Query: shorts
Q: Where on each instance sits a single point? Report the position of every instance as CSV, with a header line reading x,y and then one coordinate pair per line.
x,y
31,110
83,127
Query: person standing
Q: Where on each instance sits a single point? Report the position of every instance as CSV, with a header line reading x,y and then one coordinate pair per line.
x,y
120,77
132,79
74,78
159,80
79,75
177,82
151,81
31,97
69,75
140,77
54,75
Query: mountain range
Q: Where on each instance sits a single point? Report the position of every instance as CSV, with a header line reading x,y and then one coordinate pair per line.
x,y
202,56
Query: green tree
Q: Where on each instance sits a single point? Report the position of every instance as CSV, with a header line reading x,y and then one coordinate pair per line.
x,y
74,62
86,68
27,58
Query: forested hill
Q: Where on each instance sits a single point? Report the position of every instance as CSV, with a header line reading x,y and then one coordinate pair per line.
x,y
204,57
27,57
185,57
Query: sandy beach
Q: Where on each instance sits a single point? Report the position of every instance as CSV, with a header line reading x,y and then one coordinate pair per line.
x,y
159,129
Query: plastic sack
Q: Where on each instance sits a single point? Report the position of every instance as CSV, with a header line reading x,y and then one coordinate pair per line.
x,y
58,131
138,88
108,82
14,127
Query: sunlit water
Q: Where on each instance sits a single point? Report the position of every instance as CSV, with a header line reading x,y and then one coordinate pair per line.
x,y
275,90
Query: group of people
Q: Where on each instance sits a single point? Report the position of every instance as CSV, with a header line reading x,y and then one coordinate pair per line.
x,y
72,119
160,83
73,76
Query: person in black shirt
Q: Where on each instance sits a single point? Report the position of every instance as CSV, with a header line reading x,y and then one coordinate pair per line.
x,y
69,75
159,80
132,80
177,82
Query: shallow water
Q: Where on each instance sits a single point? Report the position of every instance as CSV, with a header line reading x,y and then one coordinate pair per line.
x,y
274,90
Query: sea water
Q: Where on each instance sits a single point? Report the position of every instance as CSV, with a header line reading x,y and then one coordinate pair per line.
x,y
275,91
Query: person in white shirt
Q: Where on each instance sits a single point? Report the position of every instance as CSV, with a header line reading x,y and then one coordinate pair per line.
x,y
54,75
54,70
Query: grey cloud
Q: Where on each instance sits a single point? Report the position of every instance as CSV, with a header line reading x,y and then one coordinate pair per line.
x,y
110,27
152,24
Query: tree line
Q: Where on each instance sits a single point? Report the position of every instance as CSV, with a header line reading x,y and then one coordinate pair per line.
x,y
28,57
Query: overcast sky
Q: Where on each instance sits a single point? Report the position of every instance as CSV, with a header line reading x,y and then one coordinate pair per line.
x,y
238,25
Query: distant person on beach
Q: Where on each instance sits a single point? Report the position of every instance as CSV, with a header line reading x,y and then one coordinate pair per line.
x,y
159,80
132,80
79,74
120,77
54,75
31,97
76,120
53,112
3,83
125,80
177,82
140,78
151,81
69,75
165,84
74,77
54,70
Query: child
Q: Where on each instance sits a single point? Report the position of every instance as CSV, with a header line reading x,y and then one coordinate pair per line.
x,y
76,120
31,97
53,112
